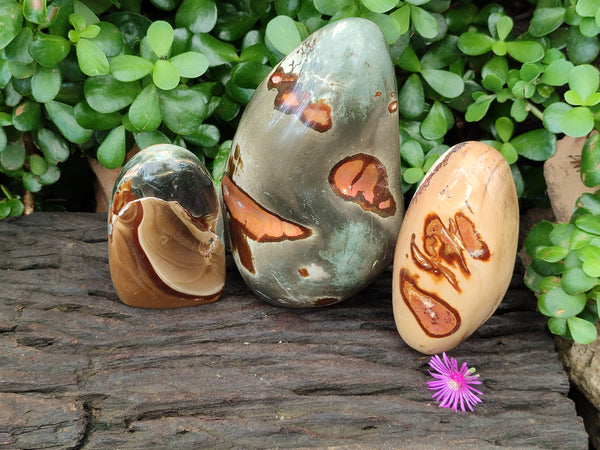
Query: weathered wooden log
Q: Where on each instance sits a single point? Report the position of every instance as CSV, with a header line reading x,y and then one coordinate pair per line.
x,y
79,369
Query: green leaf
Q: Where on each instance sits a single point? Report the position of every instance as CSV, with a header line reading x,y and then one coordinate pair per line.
x,y
109,39
165,75
518,110
45,84
577,122
434,125
557,326
331,7
424,23
111,152
90,32
402,16
51,176
504,127
590,161
199,16
37,165
552,253
379,6
190,64
282,35
561,234
413,175
478,109
591,267
130,67
509,152
63,117
538,236
144,112
18,49
11,207
589,202
49,50
525,51
584,80
91,60
553,115
249,75
587,8
582,331
588,223
412,152
576,281
413,97
106,94
35,11
144,140
54,147
208,135
409,61
445,83
536,145
588,252
183,109
504,26
94,120
13,157
560,304
581,49
160,37
388,26
557,72
216,51
27,116
11,18
472,43
545,20
31,182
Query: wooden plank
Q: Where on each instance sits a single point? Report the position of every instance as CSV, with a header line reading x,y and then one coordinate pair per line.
x,y
242,373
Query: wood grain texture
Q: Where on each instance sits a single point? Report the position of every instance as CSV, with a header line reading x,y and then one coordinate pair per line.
x,y
79,369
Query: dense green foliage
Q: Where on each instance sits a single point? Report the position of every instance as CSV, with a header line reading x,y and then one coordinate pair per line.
x,y
95,77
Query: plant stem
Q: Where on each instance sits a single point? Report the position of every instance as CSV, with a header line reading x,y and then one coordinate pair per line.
x,y
535,111
27,202
6,192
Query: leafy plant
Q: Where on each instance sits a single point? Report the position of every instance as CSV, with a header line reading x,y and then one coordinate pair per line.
x,y
565,271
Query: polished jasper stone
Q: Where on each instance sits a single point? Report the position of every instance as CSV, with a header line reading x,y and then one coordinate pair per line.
x,y
312,187
164,248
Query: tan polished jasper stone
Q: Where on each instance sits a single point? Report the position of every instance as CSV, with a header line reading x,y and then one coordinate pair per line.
x,y
456,250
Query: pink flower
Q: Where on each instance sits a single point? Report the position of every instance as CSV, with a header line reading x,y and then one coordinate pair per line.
x,y
453,387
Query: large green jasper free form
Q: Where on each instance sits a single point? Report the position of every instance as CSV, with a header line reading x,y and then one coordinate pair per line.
x,y
312,186
163,245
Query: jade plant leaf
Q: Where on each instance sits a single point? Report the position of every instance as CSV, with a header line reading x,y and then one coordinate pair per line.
x,y
48,50
130,67
27,116
590,161
545,20
424,23
576,281
46,83
18,49
282,35
37,164
182,109
13,157
473,43
160,37
199,16
54,147
92,61
413,95
107,94
190,64
445,83
64,118
11,17
165,75
217,52
144,112
536,145
111,153
582,331
109,39
560,304
93,120
577,122
330,7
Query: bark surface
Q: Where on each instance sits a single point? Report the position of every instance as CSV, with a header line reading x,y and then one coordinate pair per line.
x,y
79,369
